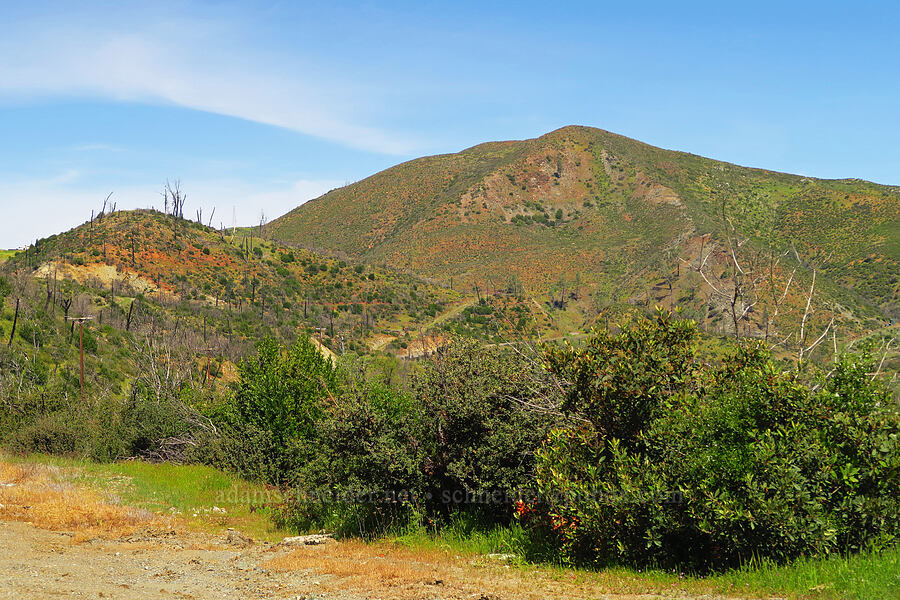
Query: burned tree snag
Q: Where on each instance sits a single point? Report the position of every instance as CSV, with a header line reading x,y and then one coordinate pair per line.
x,y
128,318
15,320
173,191
66,303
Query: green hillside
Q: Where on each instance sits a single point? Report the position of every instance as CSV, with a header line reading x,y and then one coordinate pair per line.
x,y
597,220
242,287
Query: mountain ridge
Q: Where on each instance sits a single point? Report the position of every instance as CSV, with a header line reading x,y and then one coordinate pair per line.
x,y
585,207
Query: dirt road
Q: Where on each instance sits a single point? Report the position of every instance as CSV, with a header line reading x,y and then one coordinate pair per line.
x,y
156,564
58,539
36,563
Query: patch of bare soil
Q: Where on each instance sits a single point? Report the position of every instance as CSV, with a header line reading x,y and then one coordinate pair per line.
x,y
152,563
36,563
106,274
58,540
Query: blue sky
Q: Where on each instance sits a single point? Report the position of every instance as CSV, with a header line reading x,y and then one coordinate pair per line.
x,y
259,106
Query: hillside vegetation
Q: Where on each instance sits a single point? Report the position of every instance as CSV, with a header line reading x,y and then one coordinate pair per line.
x,y
241,286
583,220
579,350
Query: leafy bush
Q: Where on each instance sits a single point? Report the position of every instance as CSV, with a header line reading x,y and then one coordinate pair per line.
x,y
32,333
281,393
462,440
366,476
681,463
483,435
244,449
54,433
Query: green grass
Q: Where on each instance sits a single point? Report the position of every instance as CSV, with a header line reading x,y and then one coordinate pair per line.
x,y
464,535
6,254
858,577
189,492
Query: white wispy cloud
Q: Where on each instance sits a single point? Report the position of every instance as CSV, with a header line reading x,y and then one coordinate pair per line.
x,y
194,65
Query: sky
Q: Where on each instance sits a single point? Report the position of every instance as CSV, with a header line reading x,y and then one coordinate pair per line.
x,y
259,106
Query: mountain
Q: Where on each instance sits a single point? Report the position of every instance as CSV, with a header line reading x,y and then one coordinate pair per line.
x,y
507,241
595,219
182,275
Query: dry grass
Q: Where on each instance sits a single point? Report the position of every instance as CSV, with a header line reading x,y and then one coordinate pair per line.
x,y
394,572
35,494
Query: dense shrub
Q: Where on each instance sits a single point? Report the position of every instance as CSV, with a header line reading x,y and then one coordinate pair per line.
x,y
462,439
32,333
479,406
244,449
280,400
52,433
145,425
281,390
365,476
680,463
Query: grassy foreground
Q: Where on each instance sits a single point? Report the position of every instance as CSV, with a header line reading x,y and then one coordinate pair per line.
x,y
209,500
200,497
859,577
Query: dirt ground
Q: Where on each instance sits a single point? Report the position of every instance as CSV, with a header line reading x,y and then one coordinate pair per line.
x,y
59,540
155,564
37,563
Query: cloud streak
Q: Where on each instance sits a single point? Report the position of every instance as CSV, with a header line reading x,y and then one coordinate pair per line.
x,y
191,66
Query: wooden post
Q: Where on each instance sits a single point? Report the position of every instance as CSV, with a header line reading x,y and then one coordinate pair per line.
x,y
81,321
81,347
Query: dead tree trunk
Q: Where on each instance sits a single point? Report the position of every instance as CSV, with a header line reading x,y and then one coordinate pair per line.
x,y
130,312
15,320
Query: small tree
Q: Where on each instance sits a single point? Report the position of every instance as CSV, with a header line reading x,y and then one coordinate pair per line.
x,y
283,392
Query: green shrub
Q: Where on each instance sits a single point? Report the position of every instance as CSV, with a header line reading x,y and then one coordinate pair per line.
x,y
462,440
483,433
54,433
32,333
366,476
281,392
618,382
89,340
244,449
708,466
147,425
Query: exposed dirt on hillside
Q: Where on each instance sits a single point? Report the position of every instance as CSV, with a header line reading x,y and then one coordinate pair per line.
x,y
380,340
423,346
105,274
324,350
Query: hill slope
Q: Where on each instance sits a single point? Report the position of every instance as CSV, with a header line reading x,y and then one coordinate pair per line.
x,y
610,218
242,287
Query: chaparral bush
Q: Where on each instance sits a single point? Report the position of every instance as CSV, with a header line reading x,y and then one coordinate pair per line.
x,y
679,462
461,439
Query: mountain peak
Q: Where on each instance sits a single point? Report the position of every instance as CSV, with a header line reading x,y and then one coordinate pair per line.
x,y
619,213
